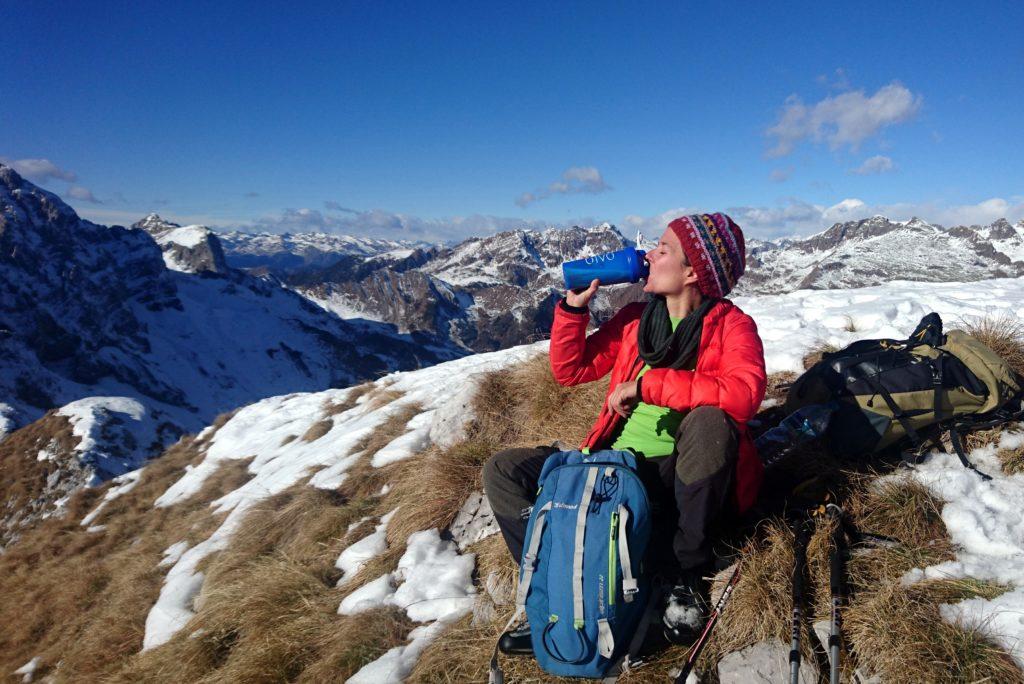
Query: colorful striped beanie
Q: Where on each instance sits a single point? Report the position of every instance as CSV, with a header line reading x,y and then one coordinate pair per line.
x,y
713,245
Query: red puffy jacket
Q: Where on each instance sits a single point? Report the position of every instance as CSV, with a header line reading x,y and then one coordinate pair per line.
x,y
729,374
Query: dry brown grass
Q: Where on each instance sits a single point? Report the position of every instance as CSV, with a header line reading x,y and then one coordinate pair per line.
x,y
817,352
1003,334
1012,460
431,492
267,609
23,477
82,598
898,632
778,385
318,430
526,407
351,399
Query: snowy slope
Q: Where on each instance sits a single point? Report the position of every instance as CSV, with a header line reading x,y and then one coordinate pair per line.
x,y
878,250
291,251
142,334
986,519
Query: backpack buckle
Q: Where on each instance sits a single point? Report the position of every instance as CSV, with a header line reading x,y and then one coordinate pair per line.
x,y
629,587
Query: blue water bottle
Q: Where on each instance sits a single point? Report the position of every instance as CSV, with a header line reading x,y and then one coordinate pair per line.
x,y
623,266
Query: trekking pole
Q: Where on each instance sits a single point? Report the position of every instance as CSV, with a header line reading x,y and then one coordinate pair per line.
x,y
836,562
802,538
705,636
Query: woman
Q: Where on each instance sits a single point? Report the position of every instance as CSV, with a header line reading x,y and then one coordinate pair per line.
x,y
687,374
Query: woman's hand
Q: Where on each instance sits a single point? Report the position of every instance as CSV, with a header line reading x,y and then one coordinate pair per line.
x,y
581,297
624,398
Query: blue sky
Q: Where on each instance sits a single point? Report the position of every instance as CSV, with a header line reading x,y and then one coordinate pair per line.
x,y
442,120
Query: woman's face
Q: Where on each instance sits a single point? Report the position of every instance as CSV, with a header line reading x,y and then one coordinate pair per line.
x,y
670,272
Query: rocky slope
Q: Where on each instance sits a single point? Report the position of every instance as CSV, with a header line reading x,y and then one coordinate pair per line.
x,y
877,250
144,333
482,294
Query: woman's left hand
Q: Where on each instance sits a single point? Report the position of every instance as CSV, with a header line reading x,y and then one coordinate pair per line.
x,y
623,398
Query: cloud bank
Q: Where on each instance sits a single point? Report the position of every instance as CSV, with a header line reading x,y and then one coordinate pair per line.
x,y
39,170
575,179
874,165
396,226
795,217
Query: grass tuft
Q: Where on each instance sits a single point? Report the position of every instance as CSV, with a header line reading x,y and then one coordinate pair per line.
x,y
817,352
1002,333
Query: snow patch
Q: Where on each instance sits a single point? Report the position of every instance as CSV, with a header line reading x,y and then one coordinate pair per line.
x,y
124,484
356,555
109,431
985,520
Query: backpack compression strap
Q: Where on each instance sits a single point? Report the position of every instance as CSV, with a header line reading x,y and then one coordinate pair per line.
x,y
496,676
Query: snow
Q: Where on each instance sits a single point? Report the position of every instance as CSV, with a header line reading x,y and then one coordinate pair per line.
x,y
7,422
412,442
258,431
985,520
436,586
356,555
186,236
28,670
172,553
395,665
791,324
122,485
371,595
432,582
109,428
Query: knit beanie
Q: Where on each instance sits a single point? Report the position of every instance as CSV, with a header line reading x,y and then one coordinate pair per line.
x,y
714,246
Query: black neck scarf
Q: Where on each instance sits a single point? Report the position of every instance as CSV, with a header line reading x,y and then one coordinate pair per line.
x,y
660,347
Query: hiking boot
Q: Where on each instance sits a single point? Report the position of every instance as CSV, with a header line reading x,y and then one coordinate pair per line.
x,y
516,641
687,609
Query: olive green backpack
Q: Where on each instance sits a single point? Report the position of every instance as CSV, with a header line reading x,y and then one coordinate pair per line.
x,y
908,392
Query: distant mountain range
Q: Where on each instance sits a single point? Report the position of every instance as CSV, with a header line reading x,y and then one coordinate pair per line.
x,y
878,250
493,292
130,337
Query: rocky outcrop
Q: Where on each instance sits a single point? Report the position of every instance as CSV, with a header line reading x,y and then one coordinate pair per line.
x,y
190,249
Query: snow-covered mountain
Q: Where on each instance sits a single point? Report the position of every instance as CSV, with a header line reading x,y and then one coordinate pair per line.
x,y
877,250
142,334
189,249
288,252
492,292
482,294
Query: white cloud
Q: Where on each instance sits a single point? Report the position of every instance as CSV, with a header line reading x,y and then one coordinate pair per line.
x,y
575,179
874,165
838,80
39,170
847,119
385,224
82,194
798,217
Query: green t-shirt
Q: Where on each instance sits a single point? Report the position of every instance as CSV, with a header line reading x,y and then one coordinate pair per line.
x,y
650,430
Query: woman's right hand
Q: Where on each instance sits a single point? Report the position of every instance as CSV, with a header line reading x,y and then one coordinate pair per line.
x,y
581,297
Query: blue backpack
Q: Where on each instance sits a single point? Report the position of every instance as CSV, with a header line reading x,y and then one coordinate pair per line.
x,y
581,581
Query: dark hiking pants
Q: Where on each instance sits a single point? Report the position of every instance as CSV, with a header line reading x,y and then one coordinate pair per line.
x,y
688,489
